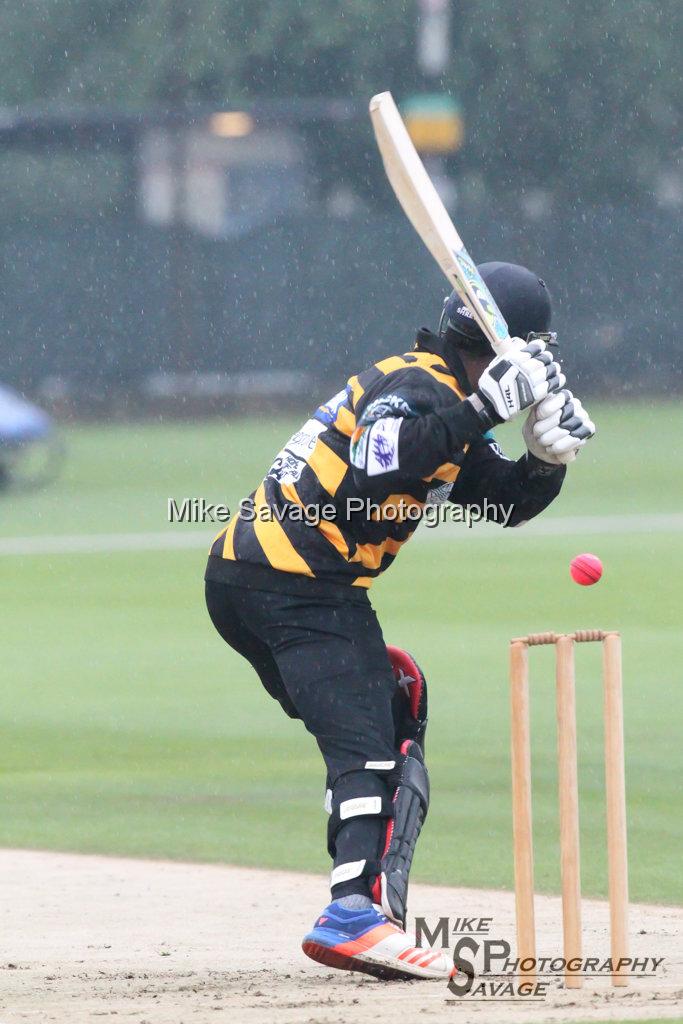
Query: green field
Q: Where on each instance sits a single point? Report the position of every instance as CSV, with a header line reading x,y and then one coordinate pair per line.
x,y
129,727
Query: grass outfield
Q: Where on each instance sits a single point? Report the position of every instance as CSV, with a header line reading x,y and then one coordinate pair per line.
x,y
129,727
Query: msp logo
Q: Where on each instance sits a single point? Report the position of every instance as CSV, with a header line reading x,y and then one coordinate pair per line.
x,y
487,971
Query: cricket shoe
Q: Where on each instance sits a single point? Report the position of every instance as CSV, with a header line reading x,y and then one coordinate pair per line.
x,y
367,941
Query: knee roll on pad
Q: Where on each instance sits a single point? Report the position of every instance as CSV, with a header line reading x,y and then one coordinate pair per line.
x,y
409,705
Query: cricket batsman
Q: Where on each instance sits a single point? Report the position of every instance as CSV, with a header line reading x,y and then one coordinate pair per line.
x,y
289,592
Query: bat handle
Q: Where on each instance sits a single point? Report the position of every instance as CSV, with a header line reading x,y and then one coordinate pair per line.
x,y
501,347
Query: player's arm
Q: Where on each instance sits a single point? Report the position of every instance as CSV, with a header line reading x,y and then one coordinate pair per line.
x,y
408,425
555,430
405,431
509,492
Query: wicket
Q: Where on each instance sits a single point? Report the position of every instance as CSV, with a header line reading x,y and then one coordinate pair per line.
x,y
569,796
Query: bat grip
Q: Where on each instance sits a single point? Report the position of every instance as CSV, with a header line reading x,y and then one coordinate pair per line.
x,y
501,348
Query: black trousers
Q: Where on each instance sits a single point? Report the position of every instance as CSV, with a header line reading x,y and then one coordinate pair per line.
x,y
319,652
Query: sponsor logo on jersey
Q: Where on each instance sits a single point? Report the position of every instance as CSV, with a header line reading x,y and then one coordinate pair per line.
x,y
383,451
359,446
290,462
382,455
327,413
437,495
386,405
495,447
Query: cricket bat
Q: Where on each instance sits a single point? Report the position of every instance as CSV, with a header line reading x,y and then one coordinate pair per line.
x,y
425,211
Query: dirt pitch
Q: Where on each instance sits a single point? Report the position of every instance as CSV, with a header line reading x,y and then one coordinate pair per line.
x,y
85,938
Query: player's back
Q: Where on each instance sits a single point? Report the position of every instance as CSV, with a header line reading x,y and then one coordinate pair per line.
x,y
315,513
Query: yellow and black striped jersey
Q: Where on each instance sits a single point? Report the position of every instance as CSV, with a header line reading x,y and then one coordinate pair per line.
x,y
393,440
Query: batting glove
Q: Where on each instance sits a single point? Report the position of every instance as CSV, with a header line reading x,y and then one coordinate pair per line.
x,y
516,380
557,428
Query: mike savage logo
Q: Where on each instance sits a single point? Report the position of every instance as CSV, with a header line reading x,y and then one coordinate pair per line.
x,y
438,511
486,971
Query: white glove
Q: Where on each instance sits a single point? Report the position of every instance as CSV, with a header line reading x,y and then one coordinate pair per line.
x,y
557,428
516,380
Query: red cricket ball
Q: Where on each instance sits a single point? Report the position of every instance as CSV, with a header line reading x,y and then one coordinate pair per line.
x,y
586,569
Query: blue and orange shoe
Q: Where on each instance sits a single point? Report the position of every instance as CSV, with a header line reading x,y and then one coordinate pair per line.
x,y
367,941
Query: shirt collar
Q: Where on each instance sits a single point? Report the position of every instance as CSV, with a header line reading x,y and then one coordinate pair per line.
x,y
427,341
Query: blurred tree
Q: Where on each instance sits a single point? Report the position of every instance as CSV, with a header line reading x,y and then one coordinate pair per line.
x,y
584,97
121,51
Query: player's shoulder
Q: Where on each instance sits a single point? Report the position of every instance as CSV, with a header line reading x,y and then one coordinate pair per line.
x,y
418,363
422,374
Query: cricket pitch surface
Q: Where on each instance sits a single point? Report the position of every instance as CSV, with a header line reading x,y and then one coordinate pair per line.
x,y
86,938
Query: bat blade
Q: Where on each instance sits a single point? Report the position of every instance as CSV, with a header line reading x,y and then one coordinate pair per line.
x,y
424,209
